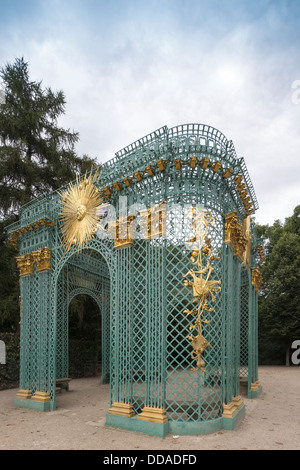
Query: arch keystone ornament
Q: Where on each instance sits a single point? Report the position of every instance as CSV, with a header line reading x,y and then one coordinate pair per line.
x,y
162,238
81,209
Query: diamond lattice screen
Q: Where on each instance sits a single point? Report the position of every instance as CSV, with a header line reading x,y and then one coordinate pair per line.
x,y
191,395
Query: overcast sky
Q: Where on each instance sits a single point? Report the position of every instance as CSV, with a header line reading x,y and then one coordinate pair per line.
x,y
128,67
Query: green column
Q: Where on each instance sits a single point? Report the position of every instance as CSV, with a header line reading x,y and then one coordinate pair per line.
x,y
155,373
123,327
228,326
44,293
25,327
236,326
105,331
155,378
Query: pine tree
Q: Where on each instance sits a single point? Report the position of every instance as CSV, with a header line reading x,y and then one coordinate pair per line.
x,y
36,154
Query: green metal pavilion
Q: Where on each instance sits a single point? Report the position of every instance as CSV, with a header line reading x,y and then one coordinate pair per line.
x,y
162,238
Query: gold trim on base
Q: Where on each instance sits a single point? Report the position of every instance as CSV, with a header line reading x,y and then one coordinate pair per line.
x,y
43,397
24,394
229,410
238,401
122,409
153,414
255,386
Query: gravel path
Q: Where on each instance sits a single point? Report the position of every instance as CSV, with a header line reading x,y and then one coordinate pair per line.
x,y
272,421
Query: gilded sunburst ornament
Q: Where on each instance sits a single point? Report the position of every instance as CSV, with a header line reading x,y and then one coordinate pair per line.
x,y
81,210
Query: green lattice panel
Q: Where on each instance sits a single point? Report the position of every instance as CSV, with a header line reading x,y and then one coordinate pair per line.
x,y
244,324
191,395
139,324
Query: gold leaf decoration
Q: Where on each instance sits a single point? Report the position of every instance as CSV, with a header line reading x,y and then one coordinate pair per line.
x,y
204,289
81,209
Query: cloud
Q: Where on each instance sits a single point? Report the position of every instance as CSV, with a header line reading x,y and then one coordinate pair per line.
x,y
129,67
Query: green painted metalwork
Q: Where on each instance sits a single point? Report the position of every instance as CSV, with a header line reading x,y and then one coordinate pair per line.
x,y
139,288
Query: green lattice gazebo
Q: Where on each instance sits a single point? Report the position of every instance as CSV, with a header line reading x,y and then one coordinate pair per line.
x,y
175,273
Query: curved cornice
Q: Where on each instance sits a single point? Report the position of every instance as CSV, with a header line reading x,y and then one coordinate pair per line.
x,y
193,145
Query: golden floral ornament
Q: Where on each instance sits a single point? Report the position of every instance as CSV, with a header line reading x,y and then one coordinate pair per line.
x,y
204,289
81,210
237,235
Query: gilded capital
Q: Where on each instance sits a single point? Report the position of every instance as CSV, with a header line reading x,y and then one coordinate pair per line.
x,y
154,220
261,253
121,231
42,258
236,235
231,222
256,278
25,264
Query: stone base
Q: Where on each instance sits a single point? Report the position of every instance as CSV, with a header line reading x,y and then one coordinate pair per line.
x,y
230,423
154,423
40,401
182,428
34,405
139,425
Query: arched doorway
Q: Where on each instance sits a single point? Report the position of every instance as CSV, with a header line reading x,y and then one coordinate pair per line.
x,y
83,300
85,325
